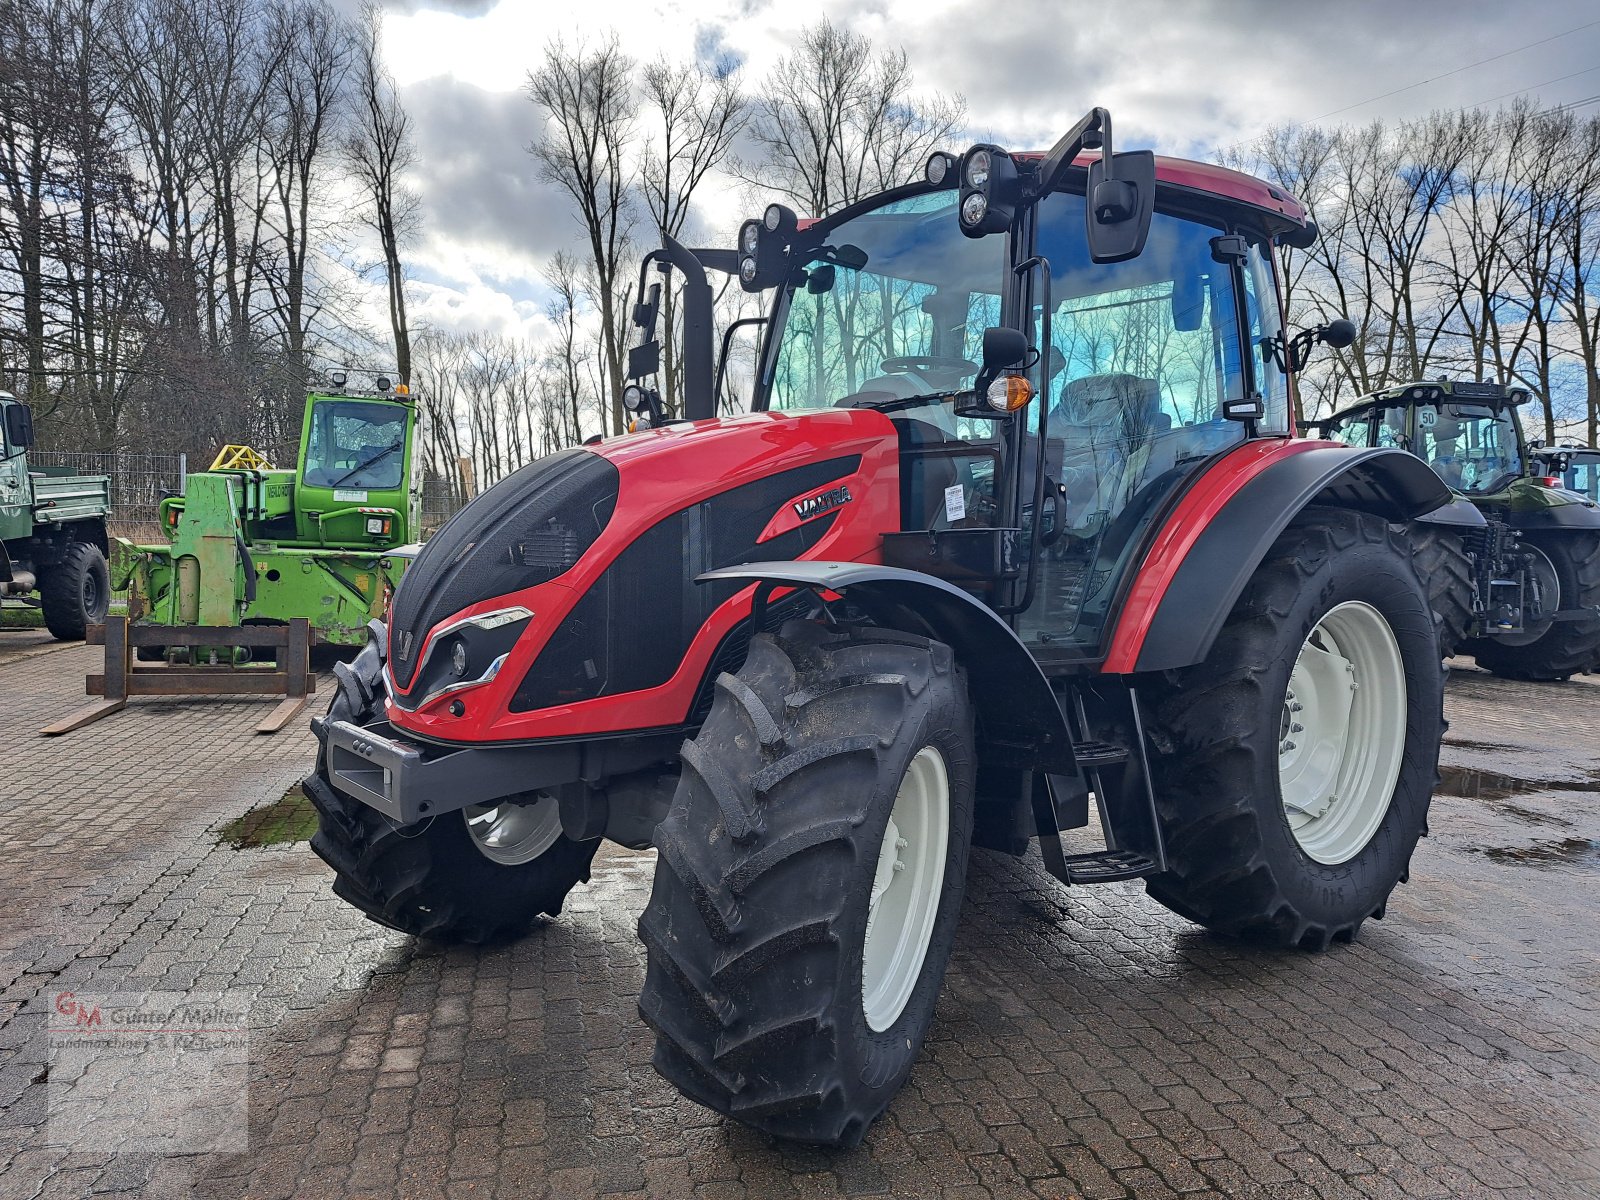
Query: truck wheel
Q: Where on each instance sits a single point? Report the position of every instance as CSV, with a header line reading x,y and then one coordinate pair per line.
x,y
75,593
484,874
1446,571
1569,645
1294,767
809,881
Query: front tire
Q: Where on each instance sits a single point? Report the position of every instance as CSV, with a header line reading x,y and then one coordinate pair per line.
x,y
75,593
1291,801
810,878
485,874
1569,645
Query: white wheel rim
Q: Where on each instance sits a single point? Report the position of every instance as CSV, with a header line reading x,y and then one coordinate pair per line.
x,y
905,890
1343,733
513,834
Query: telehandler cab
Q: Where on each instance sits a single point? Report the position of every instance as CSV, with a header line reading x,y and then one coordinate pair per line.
x,y
1016,523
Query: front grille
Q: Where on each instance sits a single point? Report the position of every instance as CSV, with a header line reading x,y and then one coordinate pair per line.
x,y
527,529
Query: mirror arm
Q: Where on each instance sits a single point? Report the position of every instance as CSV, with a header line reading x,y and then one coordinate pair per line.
x,y
1093,132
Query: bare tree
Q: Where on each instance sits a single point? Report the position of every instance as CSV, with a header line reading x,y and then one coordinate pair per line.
x,y
380,150
587,103
836,121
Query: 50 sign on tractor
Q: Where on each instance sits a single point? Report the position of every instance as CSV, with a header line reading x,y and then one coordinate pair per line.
x,y
1015,531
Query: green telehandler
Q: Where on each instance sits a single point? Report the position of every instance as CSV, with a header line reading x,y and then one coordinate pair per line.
x,y
326,540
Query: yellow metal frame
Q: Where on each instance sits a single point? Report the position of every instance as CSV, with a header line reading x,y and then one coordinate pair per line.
x,y
239,458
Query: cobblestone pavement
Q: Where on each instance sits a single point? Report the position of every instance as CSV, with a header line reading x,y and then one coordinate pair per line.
x,y
1088,1043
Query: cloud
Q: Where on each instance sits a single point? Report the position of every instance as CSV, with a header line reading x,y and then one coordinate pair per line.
x,y
480,188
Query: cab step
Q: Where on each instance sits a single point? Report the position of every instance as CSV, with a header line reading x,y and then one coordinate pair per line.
x,y
1108,866
1118,777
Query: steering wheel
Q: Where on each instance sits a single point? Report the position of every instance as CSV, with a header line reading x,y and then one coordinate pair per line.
x,y
929,367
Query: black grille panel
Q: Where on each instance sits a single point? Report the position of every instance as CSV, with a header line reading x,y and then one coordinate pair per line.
x,y
632,629
527,529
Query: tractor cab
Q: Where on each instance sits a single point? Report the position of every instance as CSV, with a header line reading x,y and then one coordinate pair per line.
x,y
1469,433
1576,468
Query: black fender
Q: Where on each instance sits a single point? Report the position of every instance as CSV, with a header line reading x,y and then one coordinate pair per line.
x,y
1389,483
1023,721
1460,513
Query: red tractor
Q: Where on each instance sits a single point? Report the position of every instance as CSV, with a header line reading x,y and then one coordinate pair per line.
x,y
1015,531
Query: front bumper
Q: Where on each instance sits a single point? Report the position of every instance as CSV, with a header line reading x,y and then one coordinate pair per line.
x,y
409,781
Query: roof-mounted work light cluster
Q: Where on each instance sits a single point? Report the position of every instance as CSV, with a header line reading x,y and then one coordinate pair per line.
x,y
989,190
763,247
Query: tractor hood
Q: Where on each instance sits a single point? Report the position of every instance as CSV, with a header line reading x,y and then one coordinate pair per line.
x,y
567,589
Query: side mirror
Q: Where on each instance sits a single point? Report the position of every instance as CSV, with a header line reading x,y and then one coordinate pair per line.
x,y
1339,333
1121,201
19,425
1302,238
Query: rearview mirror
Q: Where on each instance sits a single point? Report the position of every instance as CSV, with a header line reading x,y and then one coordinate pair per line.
x,y
19,425
1339,333
1120,204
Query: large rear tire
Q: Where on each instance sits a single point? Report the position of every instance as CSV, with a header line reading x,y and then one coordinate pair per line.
x,y
1446,571
75,593
1290,800
1572,643
810,878
482,875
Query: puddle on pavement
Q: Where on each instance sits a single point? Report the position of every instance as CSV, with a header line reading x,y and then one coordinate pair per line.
x,y
1568,852
1474,783
291,819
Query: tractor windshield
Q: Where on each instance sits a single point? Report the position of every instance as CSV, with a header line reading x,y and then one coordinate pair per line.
x,y
356,444
1472,447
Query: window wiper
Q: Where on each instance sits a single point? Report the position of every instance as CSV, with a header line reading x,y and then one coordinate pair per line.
x,y
362,466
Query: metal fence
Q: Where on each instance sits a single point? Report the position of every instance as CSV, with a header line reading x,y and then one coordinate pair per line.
x,y
138,481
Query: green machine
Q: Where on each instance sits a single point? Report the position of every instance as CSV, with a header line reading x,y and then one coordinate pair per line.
x,y
327,540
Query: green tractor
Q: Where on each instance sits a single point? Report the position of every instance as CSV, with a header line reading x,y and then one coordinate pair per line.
x,y
1513,567
327,540
1576,468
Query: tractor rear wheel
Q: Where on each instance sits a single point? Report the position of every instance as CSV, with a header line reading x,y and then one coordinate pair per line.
x,y
809,880
1572,642
75,593
1446,571
1295,765
480,875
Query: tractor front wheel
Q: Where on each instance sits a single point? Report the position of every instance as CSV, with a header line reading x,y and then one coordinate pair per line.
x,y
809,880
480,875
1294,766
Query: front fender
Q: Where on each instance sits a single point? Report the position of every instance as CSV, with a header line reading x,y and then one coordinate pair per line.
x,y
1215,537
1014,700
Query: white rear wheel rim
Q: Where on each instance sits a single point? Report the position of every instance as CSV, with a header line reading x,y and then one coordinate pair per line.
x,y
1343,733
906,889
513,834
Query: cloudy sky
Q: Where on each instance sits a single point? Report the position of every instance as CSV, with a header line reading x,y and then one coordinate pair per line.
x,y
1179,76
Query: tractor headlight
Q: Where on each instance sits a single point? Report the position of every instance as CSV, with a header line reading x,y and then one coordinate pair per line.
x,y
940,170
376,526
750,238
466,653
990,190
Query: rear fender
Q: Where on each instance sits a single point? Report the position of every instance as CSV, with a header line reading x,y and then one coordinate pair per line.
x,y
1220,531
1015,703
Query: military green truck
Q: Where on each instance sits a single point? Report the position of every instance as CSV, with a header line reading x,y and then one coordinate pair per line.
x,y
325,539
52,532
1513,567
